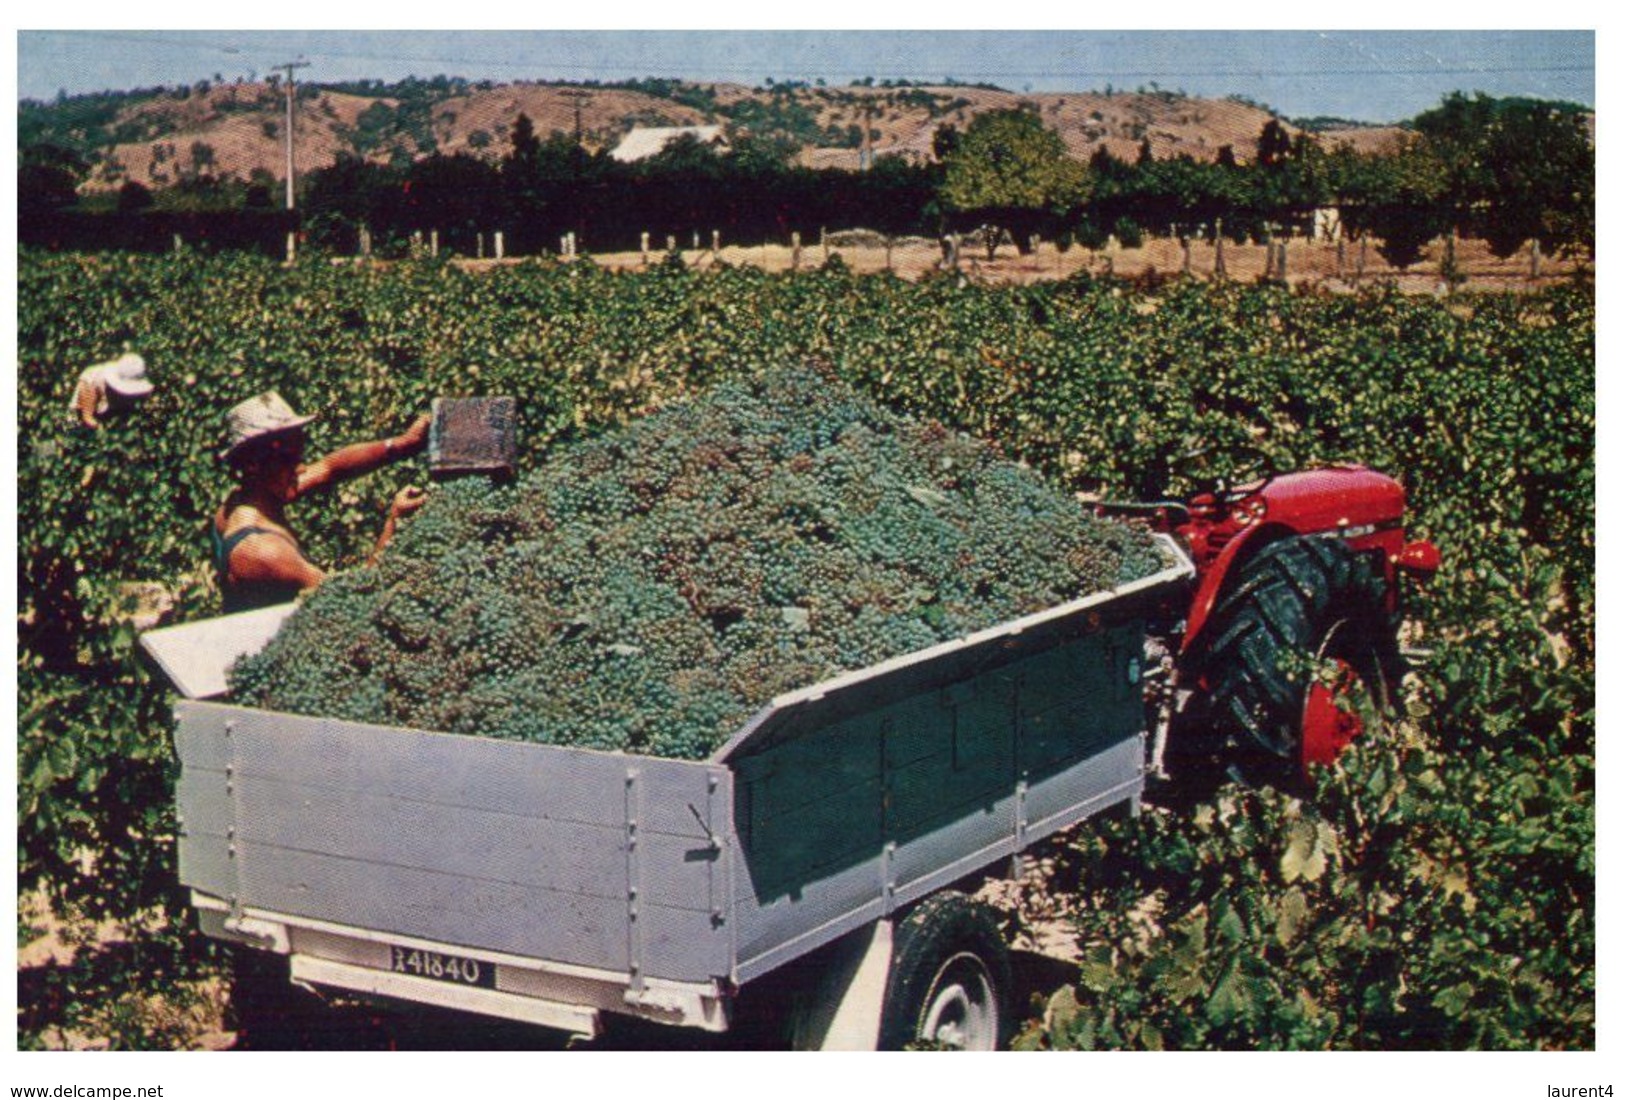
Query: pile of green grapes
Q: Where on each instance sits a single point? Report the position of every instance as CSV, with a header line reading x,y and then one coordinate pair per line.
x,y
649,589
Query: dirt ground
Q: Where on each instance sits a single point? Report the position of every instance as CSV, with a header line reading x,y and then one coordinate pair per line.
x,y
1311,263
53,956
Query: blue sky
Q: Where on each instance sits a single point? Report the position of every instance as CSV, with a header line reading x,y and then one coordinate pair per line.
x,y
1370,75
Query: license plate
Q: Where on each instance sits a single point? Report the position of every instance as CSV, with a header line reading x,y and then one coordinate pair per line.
x,y
442,967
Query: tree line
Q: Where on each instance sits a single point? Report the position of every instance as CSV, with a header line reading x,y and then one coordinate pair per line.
x,y
1508,171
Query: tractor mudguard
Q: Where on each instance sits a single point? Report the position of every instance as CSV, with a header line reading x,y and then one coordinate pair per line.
x,y
1351,502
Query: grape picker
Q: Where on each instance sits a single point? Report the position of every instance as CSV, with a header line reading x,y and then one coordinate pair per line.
x,y
257,557
110,387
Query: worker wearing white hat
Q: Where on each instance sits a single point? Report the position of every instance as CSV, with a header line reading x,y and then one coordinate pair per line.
x,y
257,556
109,387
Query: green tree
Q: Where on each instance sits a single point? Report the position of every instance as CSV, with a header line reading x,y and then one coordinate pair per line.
x,y
348,194
374,127
525,147
260,191
1274,145
759,154
48,178
1011,169
1402,199
1516,169
684,156
202,157
451,193
133,197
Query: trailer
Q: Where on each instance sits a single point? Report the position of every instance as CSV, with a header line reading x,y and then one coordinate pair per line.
x,y
557,885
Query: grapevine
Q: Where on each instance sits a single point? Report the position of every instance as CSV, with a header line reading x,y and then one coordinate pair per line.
x,y
1443,894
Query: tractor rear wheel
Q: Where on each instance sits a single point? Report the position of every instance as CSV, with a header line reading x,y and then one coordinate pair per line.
x,y
1297,657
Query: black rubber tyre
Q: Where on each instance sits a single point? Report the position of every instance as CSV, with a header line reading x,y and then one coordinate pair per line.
x,y
1297,600
949,982
267,1010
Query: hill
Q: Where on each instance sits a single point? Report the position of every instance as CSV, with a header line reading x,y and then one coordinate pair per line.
x,y
161,136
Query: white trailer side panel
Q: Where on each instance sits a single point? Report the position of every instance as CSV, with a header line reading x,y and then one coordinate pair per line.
x,y
591,859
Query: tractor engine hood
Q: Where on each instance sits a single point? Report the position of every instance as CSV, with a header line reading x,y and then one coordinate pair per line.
x,y
1334,498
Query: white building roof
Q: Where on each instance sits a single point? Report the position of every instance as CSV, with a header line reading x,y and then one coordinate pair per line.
x,y
645,141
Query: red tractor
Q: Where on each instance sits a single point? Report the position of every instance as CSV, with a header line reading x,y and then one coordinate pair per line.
x,y
1293,618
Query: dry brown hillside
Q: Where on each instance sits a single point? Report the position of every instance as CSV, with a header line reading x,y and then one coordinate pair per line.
x,y
1370,139
606,115
238,129
231,130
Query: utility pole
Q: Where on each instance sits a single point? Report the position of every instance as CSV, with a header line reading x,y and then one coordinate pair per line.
x,y
290,66
578,96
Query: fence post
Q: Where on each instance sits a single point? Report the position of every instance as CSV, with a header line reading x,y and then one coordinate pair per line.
x,y
175,242
497,244
643,247
795,251
434,242
1534,258
716,244
1185,247
888,252
671,242
366,242
293,240
1280,262
479,245
823,240
1219,271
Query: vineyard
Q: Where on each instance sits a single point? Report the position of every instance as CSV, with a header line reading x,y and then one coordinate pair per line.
x,y
1439,890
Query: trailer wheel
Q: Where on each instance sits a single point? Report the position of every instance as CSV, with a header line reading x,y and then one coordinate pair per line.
x,y
949,980
1297,659
267,1010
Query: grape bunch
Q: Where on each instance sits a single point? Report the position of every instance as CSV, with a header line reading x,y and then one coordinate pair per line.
x,y
648,589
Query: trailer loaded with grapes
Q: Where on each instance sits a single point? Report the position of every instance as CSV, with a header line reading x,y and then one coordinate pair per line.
x,y
768,676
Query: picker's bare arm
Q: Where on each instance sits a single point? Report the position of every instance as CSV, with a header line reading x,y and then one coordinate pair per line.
x,y
363,458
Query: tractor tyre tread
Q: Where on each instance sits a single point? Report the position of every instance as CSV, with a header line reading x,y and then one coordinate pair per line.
x,y
1285,599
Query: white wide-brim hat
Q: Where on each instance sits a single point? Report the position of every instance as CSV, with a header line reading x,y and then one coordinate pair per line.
x,y
259,418
127,376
